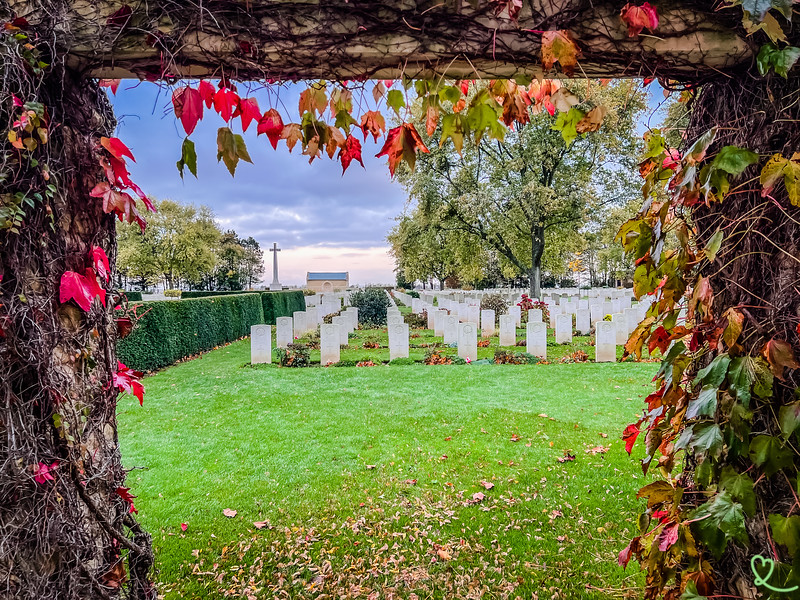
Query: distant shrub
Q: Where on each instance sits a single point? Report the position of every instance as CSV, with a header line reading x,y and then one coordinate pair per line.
x,y
132,296
495,302
504,357
294,355
372,342
402,361
527,303
413,293
457,360
415,321
328,319
172,293
309,293
371,304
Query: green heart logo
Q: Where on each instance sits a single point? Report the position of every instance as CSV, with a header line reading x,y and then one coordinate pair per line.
x,y
759,580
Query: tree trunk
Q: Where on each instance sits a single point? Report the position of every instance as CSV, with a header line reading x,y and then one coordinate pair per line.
x,y
70,536
537,251
756,272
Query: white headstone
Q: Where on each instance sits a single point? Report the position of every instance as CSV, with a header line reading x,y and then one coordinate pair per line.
x,y
416,306
394,320
564,328
631,319
468,341
352,312
582,321
555,310
260,344
451,329
516,312
299,320
398,341
508,330
605,342
344,328
312,318
438,322
330,341
431,316
487,323
535,315
536,342
597,311
474,315
621,329
284,332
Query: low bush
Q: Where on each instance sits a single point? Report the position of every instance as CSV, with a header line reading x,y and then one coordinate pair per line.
x,y
371,304
187,295
504,357
309,293
402,361
366,363
132,296
328,319
579,356
413,293
172,293
527,303
170,331
294,355
495,302
484,343
435,358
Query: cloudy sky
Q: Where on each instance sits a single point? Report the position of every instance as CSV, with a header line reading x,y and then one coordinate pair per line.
x,y
323,221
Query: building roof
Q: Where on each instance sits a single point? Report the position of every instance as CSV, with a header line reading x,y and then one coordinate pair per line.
x,y
320,276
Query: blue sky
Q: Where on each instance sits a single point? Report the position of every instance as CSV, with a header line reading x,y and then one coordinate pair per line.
x,y
323,221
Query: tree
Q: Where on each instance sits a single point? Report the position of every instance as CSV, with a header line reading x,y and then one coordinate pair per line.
x,y
540,182
253,262
180,245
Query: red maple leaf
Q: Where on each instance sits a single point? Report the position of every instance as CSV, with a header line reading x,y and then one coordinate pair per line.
x,y
225,103
125,494
188,105
112,84
629,436
127,380
668,537
271,124
560,46
659,339
83,289
402,142
639,17
372,122
120,203
248,110
350,151
100,261
116,148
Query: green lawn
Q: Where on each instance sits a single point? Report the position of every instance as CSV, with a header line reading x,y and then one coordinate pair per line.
x,y
365,478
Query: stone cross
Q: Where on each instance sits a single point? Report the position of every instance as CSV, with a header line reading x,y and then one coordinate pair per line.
x,y
275,285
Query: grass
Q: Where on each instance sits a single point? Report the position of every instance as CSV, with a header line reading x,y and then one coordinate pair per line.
x,y
364,480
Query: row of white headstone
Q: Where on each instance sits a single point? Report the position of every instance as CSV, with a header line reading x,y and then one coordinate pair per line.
x,y
332,336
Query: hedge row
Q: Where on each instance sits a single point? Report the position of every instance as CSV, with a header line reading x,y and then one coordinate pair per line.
x,y
281,304
172,330
133,296
206,294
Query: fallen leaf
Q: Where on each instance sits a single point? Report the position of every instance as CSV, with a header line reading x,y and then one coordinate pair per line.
x,y
443,554
487,484
515,438
229,512
370,467
596,450
184,526
568,457
260,524
478,496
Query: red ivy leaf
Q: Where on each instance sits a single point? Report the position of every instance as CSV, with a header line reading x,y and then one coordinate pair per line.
x,y
206,93
83,289
120,203
100,261
43,472
668,537
350,151
629,436
512,6
188,105
372,122
659,339
127,380
625,555
124,327
271,124
116,148
560,46
248,109
225,103
779,354
639,17
112,84
402,142
120,18
125,494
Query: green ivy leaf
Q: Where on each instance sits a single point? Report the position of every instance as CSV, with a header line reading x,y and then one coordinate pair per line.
x,y
757,9
713,245
786,531
734,160
453,128
781,60
566,123
789,418
705,405
770,454
450,93
395,100
705,437
722,520
740,487
188,158
740,377
714,373
691,593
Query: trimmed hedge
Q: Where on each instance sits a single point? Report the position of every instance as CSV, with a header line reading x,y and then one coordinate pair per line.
x,y
206,294
281,304
133,296
172,330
